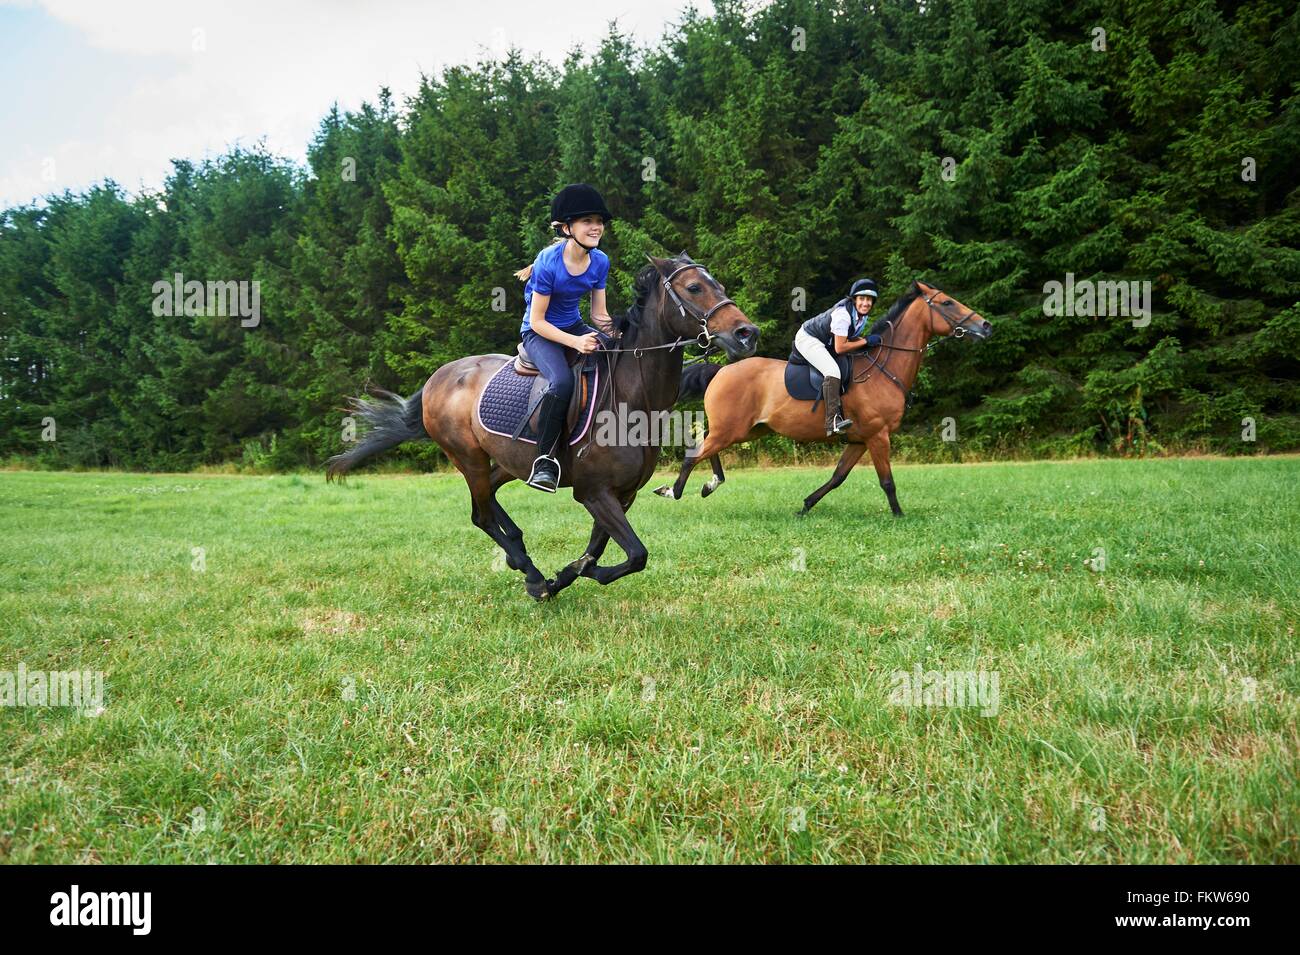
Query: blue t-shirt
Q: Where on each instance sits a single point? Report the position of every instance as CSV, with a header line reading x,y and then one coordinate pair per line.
x,y
550,277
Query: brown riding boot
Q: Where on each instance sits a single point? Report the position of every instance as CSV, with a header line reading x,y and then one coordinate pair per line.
x,y
835,423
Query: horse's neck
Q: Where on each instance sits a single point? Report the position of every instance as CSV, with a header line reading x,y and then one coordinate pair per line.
x,y
651,379
912,330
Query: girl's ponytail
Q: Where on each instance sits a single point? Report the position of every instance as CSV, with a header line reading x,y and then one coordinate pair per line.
x,y
526,272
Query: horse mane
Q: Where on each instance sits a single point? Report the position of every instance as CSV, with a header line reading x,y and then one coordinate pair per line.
x,y
646,285
895,310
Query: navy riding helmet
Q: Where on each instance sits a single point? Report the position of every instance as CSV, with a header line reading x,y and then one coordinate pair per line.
x,y
864,287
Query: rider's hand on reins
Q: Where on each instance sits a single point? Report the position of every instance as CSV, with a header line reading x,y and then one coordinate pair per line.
x,y
587,344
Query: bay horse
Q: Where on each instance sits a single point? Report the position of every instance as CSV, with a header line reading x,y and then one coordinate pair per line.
x,y
678,304
748,399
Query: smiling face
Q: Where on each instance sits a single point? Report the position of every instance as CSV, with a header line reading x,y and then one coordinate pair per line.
x,y
863,303
587,229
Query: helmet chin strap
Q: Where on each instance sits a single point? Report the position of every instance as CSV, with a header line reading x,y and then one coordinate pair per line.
x,y
586,249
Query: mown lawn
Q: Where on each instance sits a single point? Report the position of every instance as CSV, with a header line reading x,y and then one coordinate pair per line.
x,y
351,674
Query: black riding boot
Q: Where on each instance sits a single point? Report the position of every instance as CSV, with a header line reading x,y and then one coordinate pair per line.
x,y
550,422
835,424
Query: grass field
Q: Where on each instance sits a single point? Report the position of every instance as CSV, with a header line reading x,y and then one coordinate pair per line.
x,y
350,674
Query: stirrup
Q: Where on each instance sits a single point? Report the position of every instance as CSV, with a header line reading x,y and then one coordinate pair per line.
x,y
535,481
840,425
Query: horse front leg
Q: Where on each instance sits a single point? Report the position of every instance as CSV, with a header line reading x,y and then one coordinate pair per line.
x,y
852,454
675,489
878,444
712,483
713,443
609,514
578,568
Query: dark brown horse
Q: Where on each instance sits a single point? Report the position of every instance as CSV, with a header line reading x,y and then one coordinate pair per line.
x,y
678,304
747,399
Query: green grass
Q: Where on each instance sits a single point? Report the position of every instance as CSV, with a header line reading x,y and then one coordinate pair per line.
x,y
695,712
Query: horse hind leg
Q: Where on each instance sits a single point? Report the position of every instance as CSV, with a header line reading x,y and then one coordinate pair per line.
x,y
498,478
488,516
852,454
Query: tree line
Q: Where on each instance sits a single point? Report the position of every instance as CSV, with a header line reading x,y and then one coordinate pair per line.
x,y
991,147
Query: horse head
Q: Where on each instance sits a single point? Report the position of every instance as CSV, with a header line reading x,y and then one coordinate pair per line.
x,y
697,307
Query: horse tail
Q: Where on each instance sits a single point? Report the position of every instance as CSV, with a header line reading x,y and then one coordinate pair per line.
x,y
696,378
389,420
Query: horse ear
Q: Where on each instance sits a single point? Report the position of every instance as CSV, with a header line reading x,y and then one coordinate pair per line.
x,y
657,263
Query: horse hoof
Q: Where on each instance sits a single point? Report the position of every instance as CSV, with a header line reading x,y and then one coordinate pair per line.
x,y
708,489
666,490
541,591
801,513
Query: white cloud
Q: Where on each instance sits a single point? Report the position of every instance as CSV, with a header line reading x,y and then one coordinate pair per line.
x,y
271,69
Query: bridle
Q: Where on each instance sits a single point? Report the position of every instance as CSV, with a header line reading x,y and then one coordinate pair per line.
x,y
959,326
705,337
957,329
704,340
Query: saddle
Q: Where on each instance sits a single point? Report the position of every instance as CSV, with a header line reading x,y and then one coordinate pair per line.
x,y
508,404
524,365
804,382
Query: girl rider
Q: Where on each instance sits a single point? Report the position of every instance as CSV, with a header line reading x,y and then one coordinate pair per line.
x,y
840,326
553,328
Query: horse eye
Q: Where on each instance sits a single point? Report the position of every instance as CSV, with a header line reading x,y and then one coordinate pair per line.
x,y
693,289
947,301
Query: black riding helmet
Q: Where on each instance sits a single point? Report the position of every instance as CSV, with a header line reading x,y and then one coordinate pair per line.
x,y
574,202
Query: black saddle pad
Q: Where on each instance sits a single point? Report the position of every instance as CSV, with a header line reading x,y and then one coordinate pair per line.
x,y
804,382
509,396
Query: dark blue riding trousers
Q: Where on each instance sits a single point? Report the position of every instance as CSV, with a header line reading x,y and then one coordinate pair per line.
x,y
552,360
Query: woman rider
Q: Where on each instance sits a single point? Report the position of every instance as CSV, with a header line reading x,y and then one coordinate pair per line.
x,y
553,328
839,326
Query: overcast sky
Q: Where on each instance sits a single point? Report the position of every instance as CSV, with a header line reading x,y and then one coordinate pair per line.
x,y
97,89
